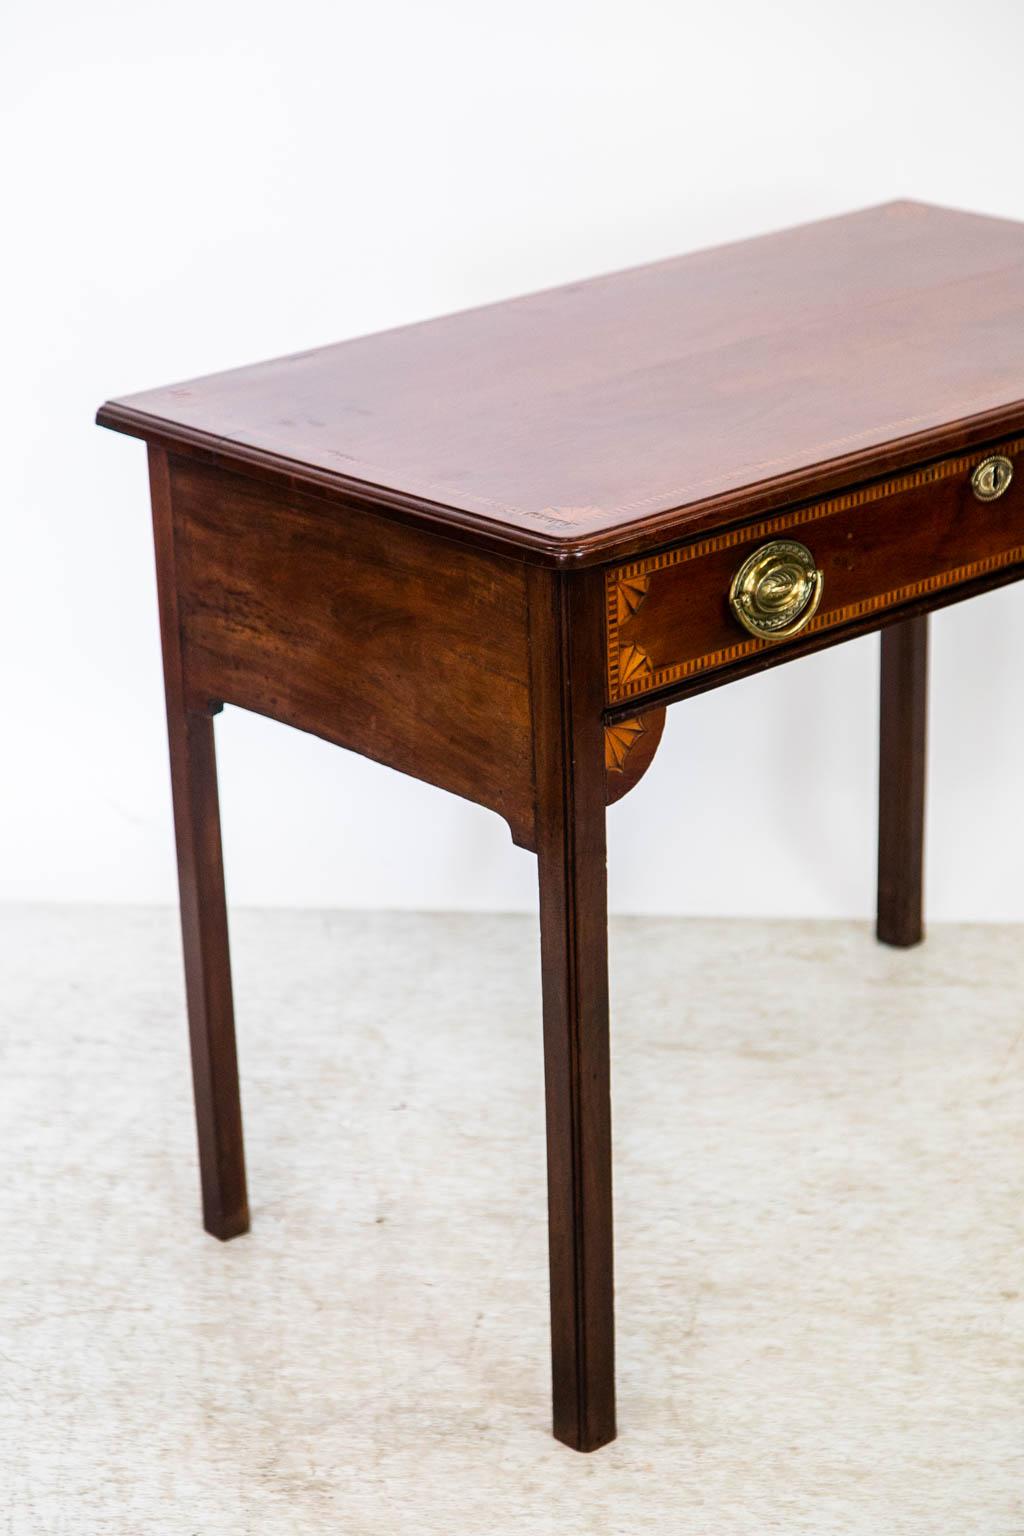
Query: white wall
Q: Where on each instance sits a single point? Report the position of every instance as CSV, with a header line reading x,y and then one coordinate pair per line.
x,y
194,186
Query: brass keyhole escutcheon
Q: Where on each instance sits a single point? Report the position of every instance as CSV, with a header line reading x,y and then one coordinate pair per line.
x,y
776,591
992,477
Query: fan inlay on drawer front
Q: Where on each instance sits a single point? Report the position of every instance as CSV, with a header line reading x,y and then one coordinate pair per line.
x,y
668,615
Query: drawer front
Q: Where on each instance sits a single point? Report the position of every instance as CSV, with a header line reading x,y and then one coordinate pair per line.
x,y
669,615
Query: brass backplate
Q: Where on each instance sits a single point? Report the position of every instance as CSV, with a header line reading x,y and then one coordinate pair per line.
x,y
776,590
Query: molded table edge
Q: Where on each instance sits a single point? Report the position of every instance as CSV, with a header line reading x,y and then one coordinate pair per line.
x,y
608,545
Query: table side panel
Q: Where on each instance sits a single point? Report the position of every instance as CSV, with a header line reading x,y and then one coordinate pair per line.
x,y
893,542
391,642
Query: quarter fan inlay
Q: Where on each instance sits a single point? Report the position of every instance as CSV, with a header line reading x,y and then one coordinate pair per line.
x,y
630,592
619,740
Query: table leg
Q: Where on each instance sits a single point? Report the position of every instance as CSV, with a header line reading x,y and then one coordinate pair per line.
x,y
203,908
901,782
574,960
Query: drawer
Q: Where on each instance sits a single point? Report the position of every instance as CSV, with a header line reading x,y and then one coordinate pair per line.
x,y
670,616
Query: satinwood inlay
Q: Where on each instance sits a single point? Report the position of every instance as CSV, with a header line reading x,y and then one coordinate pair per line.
x,y
634,666
633,672
619,740
629,594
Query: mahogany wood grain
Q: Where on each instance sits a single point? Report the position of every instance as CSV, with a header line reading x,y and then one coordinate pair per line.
x,y
591,420
878,546
809,643
204,921
435,547
570,773
379,638
901,782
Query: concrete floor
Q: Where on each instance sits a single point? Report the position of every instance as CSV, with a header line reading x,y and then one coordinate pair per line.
x,y
820,1157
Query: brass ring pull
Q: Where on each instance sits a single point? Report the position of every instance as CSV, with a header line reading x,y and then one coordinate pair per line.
x,y
776,591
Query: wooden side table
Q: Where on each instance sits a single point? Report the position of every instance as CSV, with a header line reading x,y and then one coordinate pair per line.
x,y
491,549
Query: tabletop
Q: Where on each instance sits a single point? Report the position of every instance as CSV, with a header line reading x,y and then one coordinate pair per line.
x,y
589,421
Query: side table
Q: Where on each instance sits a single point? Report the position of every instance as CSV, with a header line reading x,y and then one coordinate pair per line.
x,y
491,549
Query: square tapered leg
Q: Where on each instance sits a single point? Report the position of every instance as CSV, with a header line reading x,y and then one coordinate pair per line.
x,y
901,782
569,745
204,920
